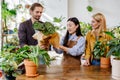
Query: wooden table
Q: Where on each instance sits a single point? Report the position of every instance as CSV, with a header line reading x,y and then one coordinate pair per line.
x,y
57,72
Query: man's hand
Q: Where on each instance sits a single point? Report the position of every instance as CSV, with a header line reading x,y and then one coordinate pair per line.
x,y
45,47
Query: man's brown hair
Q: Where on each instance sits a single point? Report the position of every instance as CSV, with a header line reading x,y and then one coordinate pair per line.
x,y
35,5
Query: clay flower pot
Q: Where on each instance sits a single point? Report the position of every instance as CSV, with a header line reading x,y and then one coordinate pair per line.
x,y
104,62
30,68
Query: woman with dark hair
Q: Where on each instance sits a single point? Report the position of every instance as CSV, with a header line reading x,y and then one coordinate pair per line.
x,y
72,45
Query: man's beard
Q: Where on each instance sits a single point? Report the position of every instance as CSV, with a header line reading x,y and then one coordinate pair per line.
x,y
36,18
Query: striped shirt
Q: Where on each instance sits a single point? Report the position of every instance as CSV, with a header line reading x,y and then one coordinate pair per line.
x,y
77,49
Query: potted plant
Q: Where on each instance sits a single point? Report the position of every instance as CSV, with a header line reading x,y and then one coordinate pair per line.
x,y
114,51
114,45
47,34
30,55
8,64
89,8
12,57
100,50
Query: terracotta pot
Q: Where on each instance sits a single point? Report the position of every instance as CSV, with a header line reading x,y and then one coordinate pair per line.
x,y
30,68
0,73
115,69
104,62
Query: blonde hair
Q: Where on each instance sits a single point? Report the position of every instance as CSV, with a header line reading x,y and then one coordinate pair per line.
x,y
101,19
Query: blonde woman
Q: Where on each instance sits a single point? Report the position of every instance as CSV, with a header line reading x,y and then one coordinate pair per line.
x,y
98,24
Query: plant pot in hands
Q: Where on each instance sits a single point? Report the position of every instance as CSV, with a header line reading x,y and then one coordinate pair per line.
x,y
54,40
43,40
47,34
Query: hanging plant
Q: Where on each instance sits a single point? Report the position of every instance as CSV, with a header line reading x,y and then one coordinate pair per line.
x,y
7,14
89,8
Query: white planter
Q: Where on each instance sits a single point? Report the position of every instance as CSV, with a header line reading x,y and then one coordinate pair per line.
x,y
111,59
116,69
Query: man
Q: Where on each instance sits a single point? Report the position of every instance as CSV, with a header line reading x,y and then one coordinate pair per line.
x,y
26,31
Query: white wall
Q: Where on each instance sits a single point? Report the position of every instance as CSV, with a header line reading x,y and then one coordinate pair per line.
x,y
110,8
56,8
77,8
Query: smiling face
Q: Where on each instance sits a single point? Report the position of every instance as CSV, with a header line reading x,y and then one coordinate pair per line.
x,y
71,27
36,13
95,24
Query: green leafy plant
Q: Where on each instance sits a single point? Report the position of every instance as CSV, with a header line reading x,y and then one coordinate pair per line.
x,y
110,34
85,27
116,31
8,63
12,57
50,35
12,41
100,49
89,8
9,66
114,45
58,20
32,53
46,28
7,14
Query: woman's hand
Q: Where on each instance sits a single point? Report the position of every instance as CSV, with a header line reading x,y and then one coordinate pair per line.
x,y
44,47
63,48
87,62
